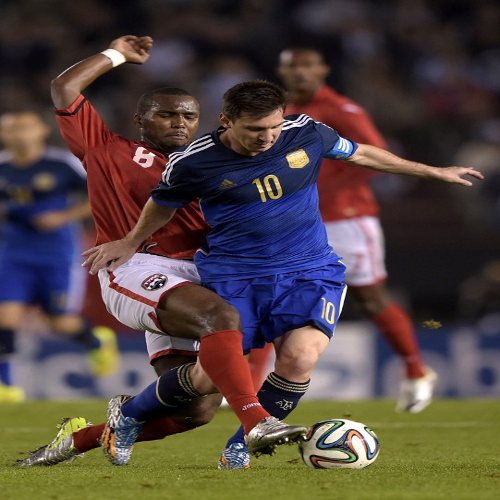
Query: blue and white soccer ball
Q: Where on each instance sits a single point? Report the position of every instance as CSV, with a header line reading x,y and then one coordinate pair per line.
x,y
339,443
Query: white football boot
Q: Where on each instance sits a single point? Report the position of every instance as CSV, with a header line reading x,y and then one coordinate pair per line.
x,y
416,393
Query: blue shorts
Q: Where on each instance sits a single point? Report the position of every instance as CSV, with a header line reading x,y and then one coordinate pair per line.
x,y
270,306
57,288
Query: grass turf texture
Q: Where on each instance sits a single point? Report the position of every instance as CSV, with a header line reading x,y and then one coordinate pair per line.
x,y
450,451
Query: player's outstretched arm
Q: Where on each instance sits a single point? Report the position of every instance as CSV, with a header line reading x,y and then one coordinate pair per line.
x,y
115,253
379,159
68,85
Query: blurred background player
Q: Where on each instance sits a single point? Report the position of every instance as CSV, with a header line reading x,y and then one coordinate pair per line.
x,y
351,215
40,207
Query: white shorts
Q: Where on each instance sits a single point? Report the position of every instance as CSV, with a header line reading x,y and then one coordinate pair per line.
x,y
359,242
131,294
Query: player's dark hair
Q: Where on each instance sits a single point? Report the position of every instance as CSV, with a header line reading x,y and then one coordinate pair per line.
x,y
257,98
148,98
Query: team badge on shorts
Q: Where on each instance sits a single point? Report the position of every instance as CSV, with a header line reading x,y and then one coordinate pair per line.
x,y
297,159
154,282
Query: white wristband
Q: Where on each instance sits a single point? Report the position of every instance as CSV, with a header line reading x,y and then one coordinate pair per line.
x,y
116,57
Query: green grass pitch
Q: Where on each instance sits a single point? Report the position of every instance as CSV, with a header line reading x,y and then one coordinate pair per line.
x,y
450,451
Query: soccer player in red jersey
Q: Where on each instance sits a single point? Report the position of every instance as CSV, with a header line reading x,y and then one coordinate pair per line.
x,y
157,290
351,215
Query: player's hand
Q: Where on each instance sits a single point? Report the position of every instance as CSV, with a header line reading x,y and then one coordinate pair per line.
x,y
456,175
134,48
49,221
108,255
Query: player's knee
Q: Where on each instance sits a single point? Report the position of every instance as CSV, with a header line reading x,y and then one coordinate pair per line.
x,y
219,315
297,364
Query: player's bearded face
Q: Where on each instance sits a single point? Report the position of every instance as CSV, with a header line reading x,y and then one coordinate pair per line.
x,y
171,122
249,135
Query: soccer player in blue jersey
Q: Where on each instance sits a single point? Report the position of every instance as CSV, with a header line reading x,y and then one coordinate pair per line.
x,y
40,243
267,252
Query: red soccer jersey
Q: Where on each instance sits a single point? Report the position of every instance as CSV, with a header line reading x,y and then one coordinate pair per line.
x,y
344,189
120,176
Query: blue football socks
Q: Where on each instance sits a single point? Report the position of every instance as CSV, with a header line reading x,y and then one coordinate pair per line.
x,y
279,397
172,390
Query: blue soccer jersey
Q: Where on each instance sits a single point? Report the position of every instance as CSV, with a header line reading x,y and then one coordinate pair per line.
x,y
262,210
25,193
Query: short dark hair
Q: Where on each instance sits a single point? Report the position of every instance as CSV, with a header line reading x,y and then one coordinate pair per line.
x,y
146,100
257,98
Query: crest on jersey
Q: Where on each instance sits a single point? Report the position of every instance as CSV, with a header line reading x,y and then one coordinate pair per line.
x,y
44,182
154,282
297,159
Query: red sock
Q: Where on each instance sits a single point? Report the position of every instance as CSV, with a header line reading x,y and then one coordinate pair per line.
x,y
158,429
88,438
258,361
221,356
398,330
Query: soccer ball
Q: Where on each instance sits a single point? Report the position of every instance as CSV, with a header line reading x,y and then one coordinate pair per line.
x,y
339,443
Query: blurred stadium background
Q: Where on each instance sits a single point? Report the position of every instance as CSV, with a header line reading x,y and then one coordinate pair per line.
x,y
428,72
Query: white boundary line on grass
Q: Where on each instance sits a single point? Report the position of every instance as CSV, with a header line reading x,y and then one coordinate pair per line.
x,y
402,425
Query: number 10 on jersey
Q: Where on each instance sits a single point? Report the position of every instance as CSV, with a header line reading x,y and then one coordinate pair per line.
x,y
328,311
269,188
